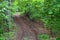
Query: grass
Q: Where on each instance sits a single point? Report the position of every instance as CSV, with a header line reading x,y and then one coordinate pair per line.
x,y
7,36
44,37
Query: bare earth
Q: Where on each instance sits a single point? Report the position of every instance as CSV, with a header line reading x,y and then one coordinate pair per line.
x,y
27,29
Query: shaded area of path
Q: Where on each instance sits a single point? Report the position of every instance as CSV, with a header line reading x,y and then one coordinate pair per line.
x,y
27,29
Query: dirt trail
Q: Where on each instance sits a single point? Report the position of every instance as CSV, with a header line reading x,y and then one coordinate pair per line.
x,y
27,29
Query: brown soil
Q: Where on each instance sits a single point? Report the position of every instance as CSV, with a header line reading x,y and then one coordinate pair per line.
x,y
27,29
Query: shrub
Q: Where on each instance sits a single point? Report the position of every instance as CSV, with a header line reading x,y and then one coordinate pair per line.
x,y
47,11
43,37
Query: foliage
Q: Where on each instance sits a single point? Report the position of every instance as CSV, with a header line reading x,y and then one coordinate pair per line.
x,y
47,11
57,38
7,36
3,17
44,37
52,9
6,22
6,11
33,8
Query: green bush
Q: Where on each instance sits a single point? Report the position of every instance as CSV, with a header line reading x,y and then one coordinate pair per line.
x,y
52,11
57,38
3,17
43,37
6,22
6,12
47,11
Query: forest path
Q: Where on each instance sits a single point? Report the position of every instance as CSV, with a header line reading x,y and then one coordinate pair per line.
x,y
27,29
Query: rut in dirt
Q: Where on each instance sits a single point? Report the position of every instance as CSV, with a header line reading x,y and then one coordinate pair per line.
x,y
27,29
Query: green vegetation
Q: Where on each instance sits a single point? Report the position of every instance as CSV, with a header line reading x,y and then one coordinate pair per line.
x,y
52,9
6,22
57,38
46,10
44,37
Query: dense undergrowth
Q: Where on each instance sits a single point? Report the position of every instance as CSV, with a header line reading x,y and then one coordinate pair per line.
x,y
6,21
48,11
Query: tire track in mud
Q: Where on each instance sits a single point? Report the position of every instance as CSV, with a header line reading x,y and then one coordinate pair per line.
x,y
27,29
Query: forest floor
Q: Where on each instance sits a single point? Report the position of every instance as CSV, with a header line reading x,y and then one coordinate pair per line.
x,y
27,29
